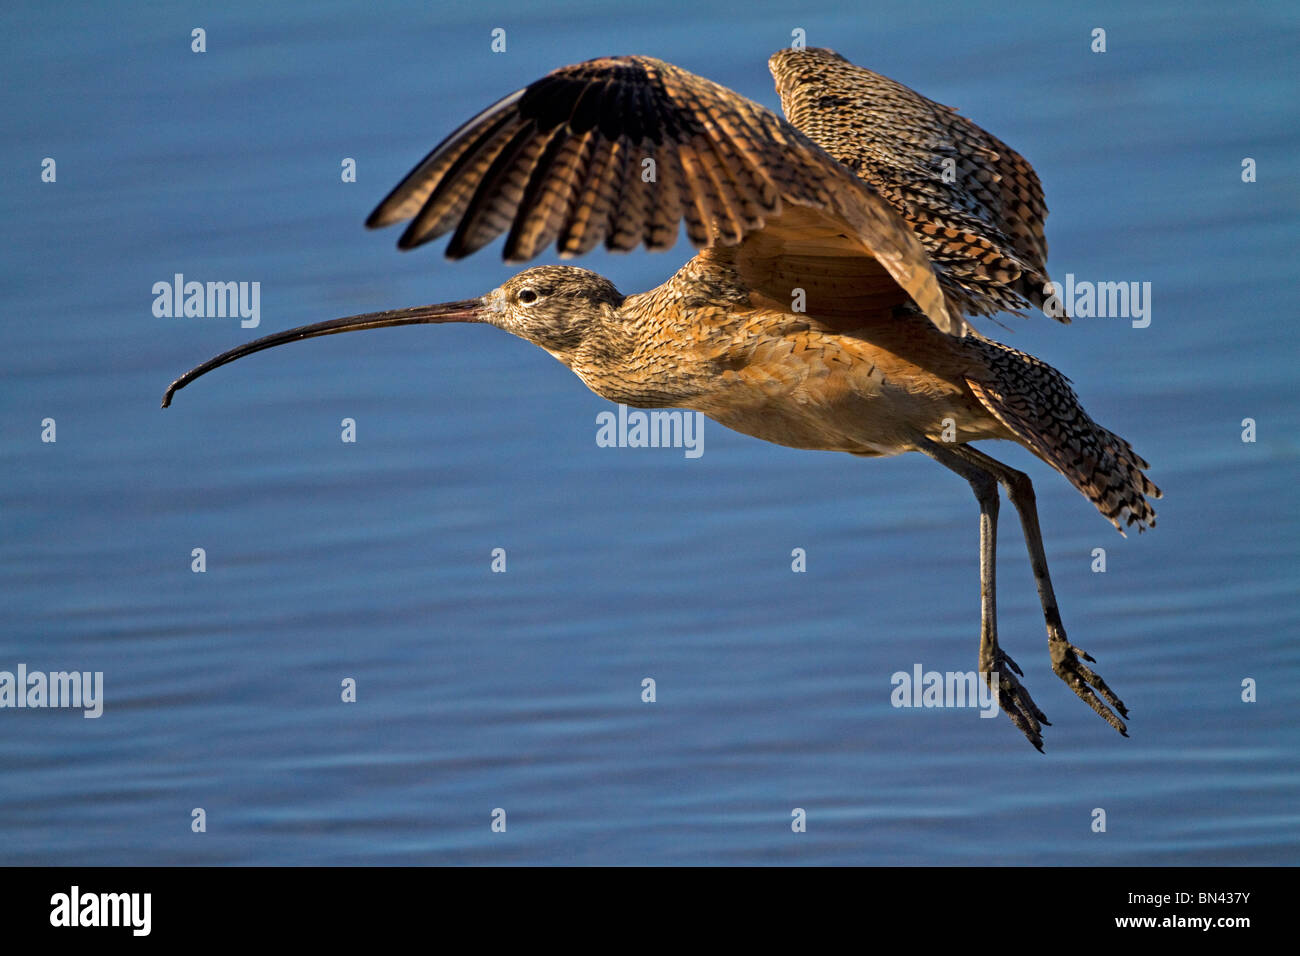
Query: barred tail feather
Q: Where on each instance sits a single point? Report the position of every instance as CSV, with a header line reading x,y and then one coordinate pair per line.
x,y
1037,404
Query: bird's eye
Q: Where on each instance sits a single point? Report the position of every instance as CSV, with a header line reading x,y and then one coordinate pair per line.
x,y
527,296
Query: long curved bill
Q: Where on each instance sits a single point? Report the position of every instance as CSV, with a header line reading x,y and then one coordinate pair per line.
x,y
467,310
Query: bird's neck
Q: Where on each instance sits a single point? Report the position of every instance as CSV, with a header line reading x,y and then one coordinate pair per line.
x,y
629,357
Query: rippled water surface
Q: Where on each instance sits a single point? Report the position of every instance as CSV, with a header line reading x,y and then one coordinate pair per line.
x,y
370,560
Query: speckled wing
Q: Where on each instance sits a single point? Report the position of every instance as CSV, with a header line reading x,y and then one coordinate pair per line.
x,y
975,203
623,150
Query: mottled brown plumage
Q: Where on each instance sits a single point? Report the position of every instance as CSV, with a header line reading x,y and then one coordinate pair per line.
x,y
974,202
826,308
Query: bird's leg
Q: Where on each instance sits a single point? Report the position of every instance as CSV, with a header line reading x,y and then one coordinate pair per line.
x,y
1067,660
997,668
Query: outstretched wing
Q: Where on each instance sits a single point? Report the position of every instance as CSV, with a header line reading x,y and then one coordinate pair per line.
x,y
624,149
975,203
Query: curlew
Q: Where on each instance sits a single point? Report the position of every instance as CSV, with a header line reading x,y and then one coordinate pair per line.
x,y
842,251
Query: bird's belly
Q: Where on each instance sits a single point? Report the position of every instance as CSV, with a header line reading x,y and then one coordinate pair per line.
x,y
805,428
775,425
855,409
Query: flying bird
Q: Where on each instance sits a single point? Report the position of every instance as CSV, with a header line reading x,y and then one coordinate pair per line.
x,y
843,251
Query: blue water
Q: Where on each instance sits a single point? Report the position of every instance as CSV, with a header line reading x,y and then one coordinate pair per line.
x,y
371,560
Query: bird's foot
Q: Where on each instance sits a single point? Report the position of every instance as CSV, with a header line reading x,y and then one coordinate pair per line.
x,y
1015,700
1067,663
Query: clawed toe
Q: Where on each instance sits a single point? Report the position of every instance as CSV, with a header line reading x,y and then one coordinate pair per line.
x,y
1005,658
1015,701
1067,663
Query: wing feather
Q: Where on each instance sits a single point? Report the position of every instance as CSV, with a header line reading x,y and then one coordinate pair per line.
x,y
975,203
564,161
476,141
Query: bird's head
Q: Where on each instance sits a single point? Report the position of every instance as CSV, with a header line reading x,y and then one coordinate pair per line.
x,y
555,307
